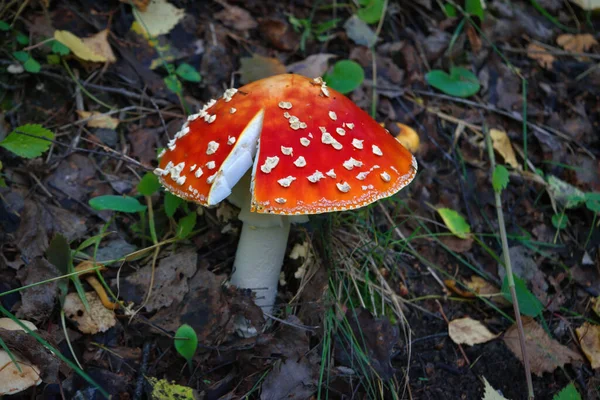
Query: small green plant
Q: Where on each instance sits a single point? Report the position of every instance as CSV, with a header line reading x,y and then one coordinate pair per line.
x,y
310,31
124,204
568,393
345,76
186,343
460,82
370,11
28,141
20,39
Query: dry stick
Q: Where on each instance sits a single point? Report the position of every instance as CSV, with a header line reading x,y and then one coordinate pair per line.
x,y
508,267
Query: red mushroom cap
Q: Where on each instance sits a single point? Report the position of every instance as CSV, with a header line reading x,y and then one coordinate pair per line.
x,y
317,151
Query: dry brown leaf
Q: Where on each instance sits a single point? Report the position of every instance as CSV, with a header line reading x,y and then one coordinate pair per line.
x,y
589,339
99,45
259,67
235,17
545,353
313,66
486,289
97,319
503,146
469,331
98,120
78,47
540,54
576,43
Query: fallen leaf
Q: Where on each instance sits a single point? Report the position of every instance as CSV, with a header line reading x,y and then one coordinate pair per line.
x,y
159,18
502,145
96,119
360,32
545,353
469,331
589,339
37,302
235,17
99,45
290,378
259,67
524,266
78,47
97,319
576,43
170,280
541,55
408,137
377,340
279,33
11,380
486,289
312,66
143,145
489,393
564,193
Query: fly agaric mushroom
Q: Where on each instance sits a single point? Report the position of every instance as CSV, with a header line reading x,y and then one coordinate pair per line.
x,y
309,150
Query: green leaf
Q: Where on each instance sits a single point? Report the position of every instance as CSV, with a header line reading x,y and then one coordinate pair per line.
x,y
186,225
188,73
568,393
450,10
59,48
559,221
117,203
370,11
32,66
500,178
4,26
53,59
528,303
186,341
22,38
474,7
592,201
172,202
460,82
173,84
21,56
455,222
346,76
148,185
59,253
28,141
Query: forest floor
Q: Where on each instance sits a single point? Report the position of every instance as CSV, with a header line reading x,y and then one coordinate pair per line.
x,y
405,298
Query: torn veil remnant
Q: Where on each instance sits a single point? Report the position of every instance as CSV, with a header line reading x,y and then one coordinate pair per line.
x,y
307,150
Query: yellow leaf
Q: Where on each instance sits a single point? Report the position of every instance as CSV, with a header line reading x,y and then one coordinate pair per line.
x,y
98,120
159,17
503,146
589,339
408,137
77,46
489,392
469,331
541,55
98,44
576,43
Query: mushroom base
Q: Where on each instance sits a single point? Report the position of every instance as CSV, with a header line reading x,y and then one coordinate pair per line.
x,y
258,260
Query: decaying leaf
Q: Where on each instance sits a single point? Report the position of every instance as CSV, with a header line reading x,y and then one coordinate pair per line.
x,y
576,43
541,55
99,45
11,380
235,17
259,67
313,66
159,17
37,302
486,289
289,379
97,319
96,119
545,353
78,47
502,145
469,331
589,339
489,393
139,4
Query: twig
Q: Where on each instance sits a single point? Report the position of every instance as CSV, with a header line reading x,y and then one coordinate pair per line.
x,y
448,323
508,267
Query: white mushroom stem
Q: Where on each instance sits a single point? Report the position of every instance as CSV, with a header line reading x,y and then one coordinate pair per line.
x,y
260,255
